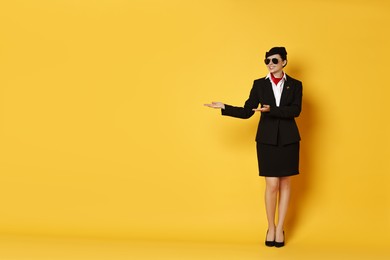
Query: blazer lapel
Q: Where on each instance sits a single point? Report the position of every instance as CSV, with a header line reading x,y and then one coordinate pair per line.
x,y
287,88
270,92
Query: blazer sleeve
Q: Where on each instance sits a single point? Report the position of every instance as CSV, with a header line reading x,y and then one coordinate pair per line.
x,y
293,109
246,111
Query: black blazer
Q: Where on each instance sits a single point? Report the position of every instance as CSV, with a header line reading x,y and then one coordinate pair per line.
x,y
279,122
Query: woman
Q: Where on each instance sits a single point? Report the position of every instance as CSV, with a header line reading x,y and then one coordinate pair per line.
x,y
277,136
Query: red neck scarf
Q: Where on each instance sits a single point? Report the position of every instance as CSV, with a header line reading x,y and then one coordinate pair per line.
x,y
276,80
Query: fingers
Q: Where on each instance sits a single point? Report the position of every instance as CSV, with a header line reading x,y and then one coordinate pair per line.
x,y
265,108
214,105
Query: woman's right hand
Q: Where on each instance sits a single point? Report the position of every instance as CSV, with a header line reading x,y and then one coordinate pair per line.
x,y
216,105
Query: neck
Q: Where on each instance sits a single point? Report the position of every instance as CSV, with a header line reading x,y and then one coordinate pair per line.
x,y
278,74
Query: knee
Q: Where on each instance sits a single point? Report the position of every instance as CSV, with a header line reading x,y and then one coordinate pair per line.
x,y
285,183
272,187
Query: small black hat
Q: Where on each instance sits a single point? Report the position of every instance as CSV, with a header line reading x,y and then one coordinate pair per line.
x,y
277,50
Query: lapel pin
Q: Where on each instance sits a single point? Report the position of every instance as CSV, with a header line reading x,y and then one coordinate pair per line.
x,y
288,87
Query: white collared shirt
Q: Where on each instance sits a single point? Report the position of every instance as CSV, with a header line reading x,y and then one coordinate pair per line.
x,y
278,89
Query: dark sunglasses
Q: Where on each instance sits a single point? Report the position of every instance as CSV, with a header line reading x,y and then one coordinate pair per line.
x,y
274,61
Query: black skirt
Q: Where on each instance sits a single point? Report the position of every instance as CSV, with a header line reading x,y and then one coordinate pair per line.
x,y
278,160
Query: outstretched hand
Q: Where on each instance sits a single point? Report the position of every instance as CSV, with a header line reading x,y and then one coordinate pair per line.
x,y
216,105
265,108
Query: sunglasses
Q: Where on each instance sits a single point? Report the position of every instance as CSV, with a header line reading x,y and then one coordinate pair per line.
x,y
274,61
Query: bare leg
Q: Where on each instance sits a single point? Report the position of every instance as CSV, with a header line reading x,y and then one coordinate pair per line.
x,y
284,198
271,194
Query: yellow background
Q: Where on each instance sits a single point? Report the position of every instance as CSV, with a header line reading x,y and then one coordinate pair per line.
x,y
103,132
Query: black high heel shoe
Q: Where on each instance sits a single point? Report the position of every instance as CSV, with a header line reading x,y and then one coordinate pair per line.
x,y
269,243
280,244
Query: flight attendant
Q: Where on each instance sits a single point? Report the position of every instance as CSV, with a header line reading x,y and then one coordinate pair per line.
x,y
277,138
